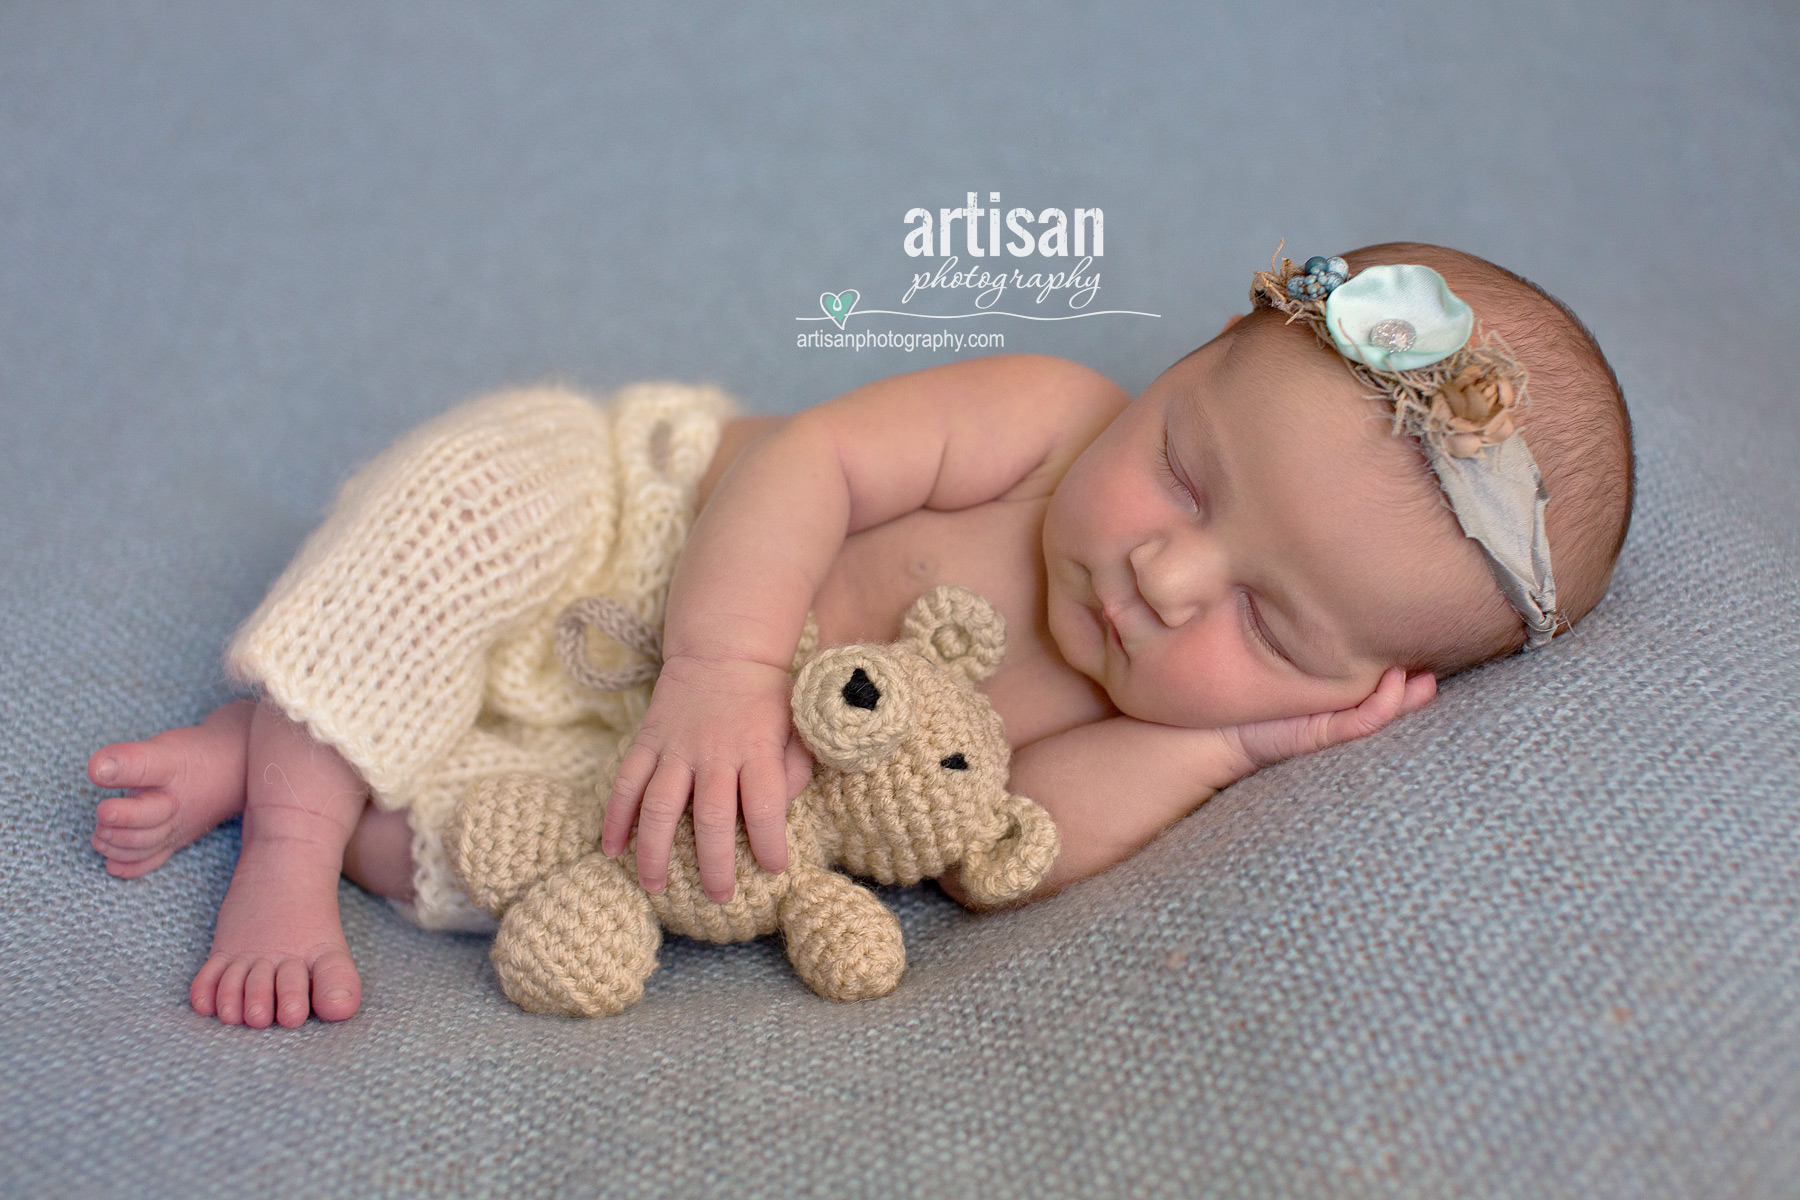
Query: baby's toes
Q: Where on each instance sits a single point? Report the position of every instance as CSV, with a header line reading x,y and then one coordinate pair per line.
x,y
336,988
259,994
203,992
130,844
228,1001
123,866
293,987
142,810
133,764
135,833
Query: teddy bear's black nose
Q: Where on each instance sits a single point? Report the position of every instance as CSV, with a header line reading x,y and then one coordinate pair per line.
x,y
955,762
861,691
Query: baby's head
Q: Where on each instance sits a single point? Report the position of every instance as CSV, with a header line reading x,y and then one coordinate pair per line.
x,y
1292,548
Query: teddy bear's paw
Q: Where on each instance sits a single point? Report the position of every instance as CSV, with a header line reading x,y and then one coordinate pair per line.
x,y
511,831
580,944
842,940
1014,865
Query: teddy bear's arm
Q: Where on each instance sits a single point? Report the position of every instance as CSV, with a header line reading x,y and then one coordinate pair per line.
x,y
1111,787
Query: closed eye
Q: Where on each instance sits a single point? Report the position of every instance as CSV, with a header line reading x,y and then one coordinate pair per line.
x,y
1166,469
1258,632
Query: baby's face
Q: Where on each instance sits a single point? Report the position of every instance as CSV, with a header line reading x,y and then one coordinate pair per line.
x,y
1267,570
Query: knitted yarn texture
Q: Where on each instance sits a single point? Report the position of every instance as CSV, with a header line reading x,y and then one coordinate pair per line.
x,y
910,779
413,631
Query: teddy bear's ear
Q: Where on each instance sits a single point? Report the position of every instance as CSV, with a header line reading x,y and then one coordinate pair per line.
x,y
958,630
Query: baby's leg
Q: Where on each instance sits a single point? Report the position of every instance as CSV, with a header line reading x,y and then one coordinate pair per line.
x,y
184,782
181,783
278,948
379,857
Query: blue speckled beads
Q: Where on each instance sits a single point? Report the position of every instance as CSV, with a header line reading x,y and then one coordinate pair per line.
x,y
1321,275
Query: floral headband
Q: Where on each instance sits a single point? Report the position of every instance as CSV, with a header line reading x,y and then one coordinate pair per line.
x,y
1406,335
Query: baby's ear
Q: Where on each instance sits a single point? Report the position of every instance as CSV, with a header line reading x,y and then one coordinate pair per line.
x,y
958,630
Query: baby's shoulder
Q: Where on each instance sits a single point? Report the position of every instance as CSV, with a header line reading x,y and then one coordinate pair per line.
x,y
1061,371
1038,384
961,434
1061,379
1061,403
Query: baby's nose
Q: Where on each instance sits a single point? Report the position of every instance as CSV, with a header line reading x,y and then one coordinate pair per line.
x,y
1181,577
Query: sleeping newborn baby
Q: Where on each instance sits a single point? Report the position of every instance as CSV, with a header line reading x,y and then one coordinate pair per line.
x,y
1256,558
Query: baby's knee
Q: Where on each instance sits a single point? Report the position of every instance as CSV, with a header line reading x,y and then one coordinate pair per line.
x,y
378,858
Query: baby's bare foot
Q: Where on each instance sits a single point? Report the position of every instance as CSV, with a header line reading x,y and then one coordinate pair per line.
x,y
180,784
279,949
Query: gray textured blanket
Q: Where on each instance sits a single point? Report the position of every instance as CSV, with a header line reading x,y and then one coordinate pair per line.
x,y
1539,939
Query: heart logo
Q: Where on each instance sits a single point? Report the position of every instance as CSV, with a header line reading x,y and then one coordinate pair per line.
x,y
839,306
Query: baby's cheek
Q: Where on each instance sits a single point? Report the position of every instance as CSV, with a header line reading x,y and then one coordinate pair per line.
x,y
1160,688
1127,684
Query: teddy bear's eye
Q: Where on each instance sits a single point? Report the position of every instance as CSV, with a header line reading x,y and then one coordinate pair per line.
x,y
956,762
860,691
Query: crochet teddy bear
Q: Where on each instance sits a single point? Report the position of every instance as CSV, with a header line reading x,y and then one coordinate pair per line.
x,y
909,779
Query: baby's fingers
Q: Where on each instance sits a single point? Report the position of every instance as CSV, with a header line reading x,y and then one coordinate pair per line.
x,y
1250,747
664,801
1381,706
635,770
715,830
1395,695
1420,689
799,766
765,799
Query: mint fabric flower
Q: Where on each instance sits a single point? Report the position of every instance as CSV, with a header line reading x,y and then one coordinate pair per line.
x,y
1397,317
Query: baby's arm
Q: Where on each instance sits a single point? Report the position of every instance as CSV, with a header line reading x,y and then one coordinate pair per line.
x,y
945,438
1105,815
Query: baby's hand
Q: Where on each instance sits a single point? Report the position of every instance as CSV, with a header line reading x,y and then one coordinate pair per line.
x,y
1253,747
719,729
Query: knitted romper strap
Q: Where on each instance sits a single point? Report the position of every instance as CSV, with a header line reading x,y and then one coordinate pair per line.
x,y
614,619
610,617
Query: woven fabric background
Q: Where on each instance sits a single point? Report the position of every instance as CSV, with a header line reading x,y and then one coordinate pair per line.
x,y
1540,939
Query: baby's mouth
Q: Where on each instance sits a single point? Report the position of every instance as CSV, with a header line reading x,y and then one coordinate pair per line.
x,y
1112,631
1109,631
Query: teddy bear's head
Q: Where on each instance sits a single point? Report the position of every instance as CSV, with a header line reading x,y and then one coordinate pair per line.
x,y
911,761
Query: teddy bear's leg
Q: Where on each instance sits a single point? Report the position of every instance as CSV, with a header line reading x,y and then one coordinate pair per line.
x,y
580,944
841,938
512,830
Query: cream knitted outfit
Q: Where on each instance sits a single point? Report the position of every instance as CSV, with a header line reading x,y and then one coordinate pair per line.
x,y
413,632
